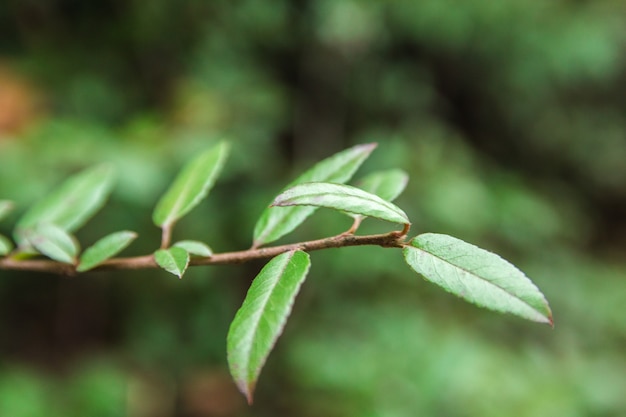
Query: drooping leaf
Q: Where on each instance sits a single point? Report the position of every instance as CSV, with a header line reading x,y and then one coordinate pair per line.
x,y
194,247
341,197
191,185
173,260
72,204
262,317
104,249
54,242
5,207
5,245
478,276
339,168
388,184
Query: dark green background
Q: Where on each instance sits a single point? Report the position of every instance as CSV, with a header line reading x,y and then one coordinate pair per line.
x,y
508,115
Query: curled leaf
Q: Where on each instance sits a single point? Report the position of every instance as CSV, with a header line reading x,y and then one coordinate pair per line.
x,y
339,168
478,276
341,197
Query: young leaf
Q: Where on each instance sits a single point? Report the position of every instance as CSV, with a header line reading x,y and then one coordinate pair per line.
x,y
5,245
72,204
191,185
388,185
478,276
262,317
5,207
341,197
54,242
104,249
339,168
194,247
173,260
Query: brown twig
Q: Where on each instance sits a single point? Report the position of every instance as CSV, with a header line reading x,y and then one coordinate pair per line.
x,y
386,240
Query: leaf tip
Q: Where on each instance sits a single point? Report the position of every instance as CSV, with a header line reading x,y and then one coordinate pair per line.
x,y
249,394
369,146
246,387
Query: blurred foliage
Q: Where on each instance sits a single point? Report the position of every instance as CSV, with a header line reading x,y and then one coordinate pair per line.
x,y
508,115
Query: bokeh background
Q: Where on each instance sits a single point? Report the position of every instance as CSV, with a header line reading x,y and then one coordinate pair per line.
x,y
508,115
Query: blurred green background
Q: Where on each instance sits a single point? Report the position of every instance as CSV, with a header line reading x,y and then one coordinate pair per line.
x,y
508,115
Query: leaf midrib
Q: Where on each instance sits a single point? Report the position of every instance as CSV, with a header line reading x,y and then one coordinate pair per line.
x,y
292,201
485,280
257,320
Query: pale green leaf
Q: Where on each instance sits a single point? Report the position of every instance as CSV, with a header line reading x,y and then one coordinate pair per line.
x,y
54,242
262,317
195,247
5,207
5,245
173,260
341,197
339,168
72,204
191,185
104,249
388,184
478,276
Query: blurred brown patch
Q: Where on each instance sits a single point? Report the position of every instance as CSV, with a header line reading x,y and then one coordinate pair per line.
x,y
199,393
19,102
210,393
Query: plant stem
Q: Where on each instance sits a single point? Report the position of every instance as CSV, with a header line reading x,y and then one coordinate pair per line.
x,y
166,235
386,240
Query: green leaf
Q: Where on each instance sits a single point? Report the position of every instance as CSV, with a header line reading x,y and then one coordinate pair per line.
x,y
388,184
72,204
194,247
5,245
5,207
339,168
192,184
104,249
478,276
173,260
262,317
54,242
341,197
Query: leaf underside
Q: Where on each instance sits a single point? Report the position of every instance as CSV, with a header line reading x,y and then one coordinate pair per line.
x,y
262,317
478,276
341,197
192,184
104,249
54,242
70,205
174,260
194,247
339,168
